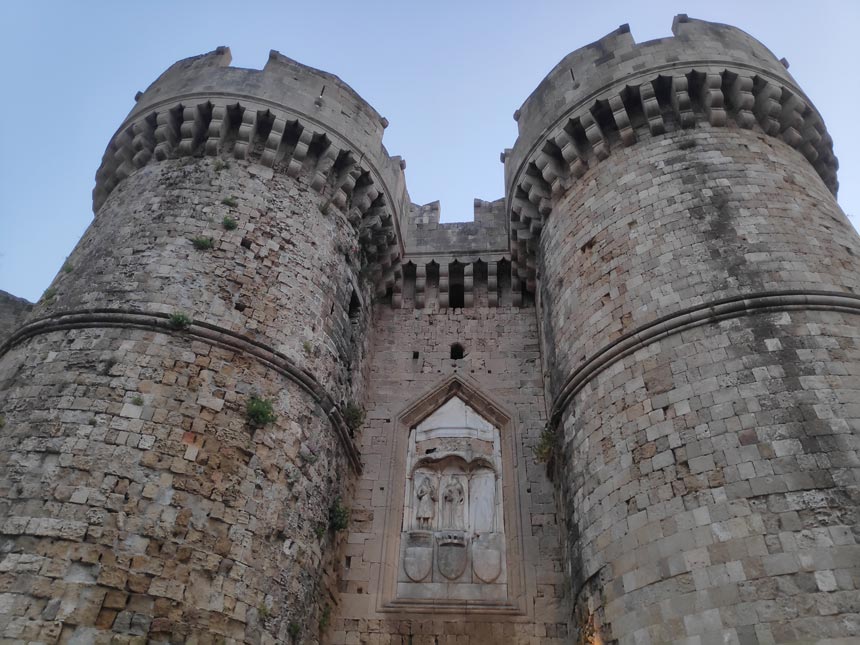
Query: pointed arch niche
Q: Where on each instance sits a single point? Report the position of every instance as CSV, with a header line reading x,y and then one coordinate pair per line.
x,y
453,526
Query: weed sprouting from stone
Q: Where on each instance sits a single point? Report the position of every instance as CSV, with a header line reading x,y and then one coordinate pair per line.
x,y
294,630
137,400
179,320
49,294
545,447
229,223
203,243
353,415
232,202
338,516
221,165
259,412
325,618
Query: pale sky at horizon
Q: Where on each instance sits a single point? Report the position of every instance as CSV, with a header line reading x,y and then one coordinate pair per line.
x,y
448,76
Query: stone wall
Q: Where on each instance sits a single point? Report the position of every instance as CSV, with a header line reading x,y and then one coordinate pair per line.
x,y
484,237
138,498
13,311
139,506
697,286
679,221
715,496
411,357
283,256
664,305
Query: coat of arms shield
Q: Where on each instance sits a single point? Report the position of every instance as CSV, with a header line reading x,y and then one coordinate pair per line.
x,y
487,557
452,554
418,556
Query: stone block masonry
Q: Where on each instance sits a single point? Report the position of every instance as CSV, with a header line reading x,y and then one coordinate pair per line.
x,y
622,406
411,359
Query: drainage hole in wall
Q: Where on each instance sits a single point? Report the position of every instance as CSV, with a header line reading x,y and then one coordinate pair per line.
x,y
457,351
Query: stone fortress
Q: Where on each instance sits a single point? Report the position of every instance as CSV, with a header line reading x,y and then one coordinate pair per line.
x,y
270,400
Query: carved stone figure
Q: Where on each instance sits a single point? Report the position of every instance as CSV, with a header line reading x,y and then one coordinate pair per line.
x,y
453,547
452,505
426,507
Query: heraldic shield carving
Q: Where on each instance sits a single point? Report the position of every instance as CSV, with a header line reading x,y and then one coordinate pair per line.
x,y
487,557
418,557
453,533
452,554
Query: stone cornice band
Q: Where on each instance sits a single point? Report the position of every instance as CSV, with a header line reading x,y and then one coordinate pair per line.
x,y
676,322
153,321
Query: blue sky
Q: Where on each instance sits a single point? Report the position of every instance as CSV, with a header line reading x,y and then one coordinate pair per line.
x,y
447,75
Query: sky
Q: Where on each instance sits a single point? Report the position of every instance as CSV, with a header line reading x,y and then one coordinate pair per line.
x,y
447,75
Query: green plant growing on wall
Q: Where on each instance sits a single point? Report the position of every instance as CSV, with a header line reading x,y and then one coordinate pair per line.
x,y
263,611
137,400
232,202
203,243
307,347
68,268
338,516
353,415
325,617
259,412
294,630
2,422
545,447
229,223
179,320
49,294
221,165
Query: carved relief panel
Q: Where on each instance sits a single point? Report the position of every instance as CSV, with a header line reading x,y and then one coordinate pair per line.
x,y
453,529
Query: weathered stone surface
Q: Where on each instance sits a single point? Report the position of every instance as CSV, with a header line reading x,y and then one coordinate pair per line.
x,y
13,311
663,307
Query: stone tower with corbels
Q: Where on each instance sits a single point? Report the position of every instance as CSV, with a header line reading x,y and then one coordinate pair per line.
x,y
270,400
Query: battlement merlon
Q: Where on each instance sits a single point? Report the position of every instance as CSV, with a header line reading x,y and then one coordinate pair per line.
x,y
286,113
283,82
730,70
484,238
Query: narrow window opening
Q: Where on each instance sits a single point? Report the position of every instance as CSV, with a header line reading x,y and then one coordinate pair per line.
x,y
456,289
456,295
457,351
414,356
354,306
409,277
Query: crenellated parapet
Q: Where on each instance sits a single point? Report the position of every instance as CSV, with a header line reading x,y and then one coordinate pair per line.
x,y
613,92
457,264
286,117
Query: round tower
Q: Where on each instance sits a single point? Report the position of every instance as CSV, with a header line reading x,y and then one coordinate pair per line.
x,y
672,207
179,408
